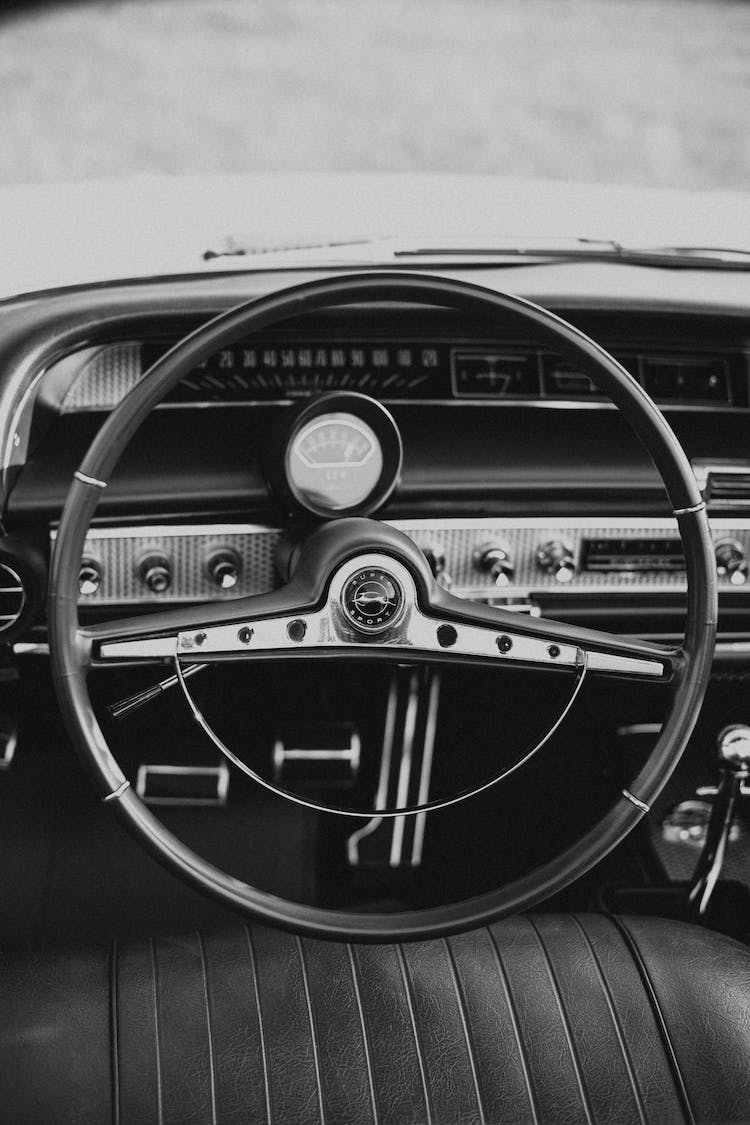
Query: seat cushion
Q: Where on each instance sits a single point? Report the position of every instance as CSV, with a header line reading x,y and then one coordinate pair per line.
x,y
536,1019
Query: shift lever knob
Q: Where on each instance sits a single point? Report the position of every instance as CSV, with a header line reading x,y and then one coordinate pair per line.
x,y
733,749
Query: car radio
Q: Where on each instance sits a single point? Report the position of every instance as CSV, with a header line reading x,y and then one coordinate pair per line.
x,y
635,555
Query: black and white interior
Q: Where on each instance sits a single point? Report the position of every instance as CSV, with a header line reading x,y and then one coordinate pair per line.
x,y
522,487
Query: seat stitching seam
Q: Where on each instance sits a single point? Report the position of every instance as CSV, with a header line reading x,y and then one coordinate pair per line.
x,y
516,1026
311,1018
565,1022
114,1042
209,1030
619,1030
415,1032
648,985
155,992
261,1029
464,1023
365,1037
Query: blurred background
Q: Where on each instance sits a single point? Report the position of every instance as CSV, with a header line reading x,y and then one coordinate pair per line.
x,y
653,92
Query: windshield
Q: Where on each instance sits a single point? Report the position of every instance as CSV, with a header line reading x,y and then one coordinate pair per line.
x,y
146,102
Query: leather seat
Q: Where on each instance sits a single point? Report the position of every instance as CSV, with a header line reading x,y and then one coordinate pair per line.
x,y
536,1019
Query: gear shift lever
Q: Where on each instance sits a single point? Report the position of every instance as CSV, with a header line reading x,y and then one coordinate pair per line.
x,y
733,750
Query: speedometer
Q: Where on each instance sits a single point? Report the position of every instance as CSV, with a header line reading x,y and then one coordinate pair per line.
x,y
335,461
338,455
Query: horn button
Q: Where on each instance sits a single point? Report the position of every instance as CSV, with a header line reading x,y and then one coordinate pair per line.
x,y
372,600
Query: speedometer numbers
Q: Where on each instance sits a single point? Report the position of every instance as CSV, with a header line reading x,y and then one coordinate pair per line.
x,y
339,455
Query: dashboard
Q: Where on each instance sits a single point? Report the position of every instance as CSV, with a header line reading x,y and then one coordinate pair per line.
x,y
519,481
505,370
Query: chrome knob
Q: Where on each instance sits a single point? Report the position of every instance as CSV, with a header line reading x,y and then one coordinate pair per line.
x,y
556,557
730,561
733,748
494,559
224,569
89,577
435,556
156,573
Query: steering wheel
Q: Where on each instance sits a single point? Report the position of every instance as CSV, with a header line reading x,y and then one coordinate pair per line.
x,y
414,620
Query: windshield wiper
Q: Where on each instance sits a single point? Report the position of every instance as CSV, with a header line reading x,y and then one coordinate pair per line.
x,y
587,249
235,250
505,252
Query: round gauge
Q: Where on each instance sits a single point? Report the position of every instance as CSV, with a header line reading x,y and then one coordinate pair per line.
x,y
339,455
334,461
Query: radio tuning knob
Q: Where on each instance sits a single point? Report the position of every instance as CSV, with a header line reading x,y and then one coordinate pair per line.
x,y
494,559
224,569
556,557
435,556
156,573
730,561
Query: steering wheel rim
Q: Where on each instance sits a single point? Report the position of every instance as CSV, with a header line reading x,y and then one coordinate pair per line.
x,y
70,655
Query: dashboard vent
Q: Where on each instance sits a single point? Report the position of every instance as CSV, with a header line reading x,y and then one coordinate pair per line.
x,y
724,485
12,597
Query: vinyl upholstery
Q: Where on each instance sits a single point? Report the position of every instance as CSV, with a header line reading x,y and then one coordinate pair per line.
x,y
547,1018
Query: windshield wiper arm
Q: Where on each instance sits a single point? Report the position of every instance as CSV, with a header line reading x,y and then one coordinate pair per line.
x,y
586,249
240,251
383,251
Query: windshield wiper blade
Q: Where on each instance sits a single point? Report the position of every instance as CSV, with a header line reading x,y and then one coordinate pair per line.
x,y
723,254
585,249
477,250
237,250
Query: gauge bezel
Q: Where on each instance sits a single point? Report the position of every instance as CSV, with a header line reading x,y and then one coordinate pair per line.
x,y
366,410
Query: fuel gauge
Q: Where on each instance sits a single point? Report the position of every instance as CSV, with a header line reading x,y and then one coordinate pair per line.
x,y
334,461
338,455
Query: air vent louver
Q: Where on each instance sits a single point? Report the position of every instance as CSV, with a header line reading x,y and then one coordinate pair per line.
x,y
724,484
12,597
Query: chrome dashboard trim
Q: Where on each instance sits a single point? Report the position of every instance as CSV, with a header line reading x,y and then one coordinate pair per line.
x,y
411,632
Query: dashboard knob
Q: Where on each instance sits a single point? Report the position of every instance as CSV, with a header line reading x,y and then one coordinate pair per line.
x,y
156,573
731,561
89,577
494,559
556,557
435,556
224,569
733,748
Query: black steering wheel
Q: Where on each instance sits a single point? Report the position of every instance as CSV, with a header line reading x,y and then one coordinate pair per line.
x,y
415,620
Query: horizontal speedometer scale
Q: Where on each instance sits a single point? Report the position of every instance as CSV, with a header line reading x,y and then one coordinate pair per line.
x,y
272,371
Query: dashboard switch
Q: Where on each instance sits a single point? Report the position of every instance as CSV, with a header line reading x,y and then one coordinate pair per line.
x,y
89,577
494,559
556,557
155,572
224,569
730,561
435,556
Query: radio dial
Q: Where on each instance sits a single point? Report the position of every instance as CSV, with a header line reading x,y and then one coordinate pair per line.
x,y
494,559
556,557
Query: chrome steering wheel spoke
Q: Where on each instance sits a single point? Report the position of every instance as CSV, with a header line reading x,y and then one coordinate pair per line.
x,y
372,607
